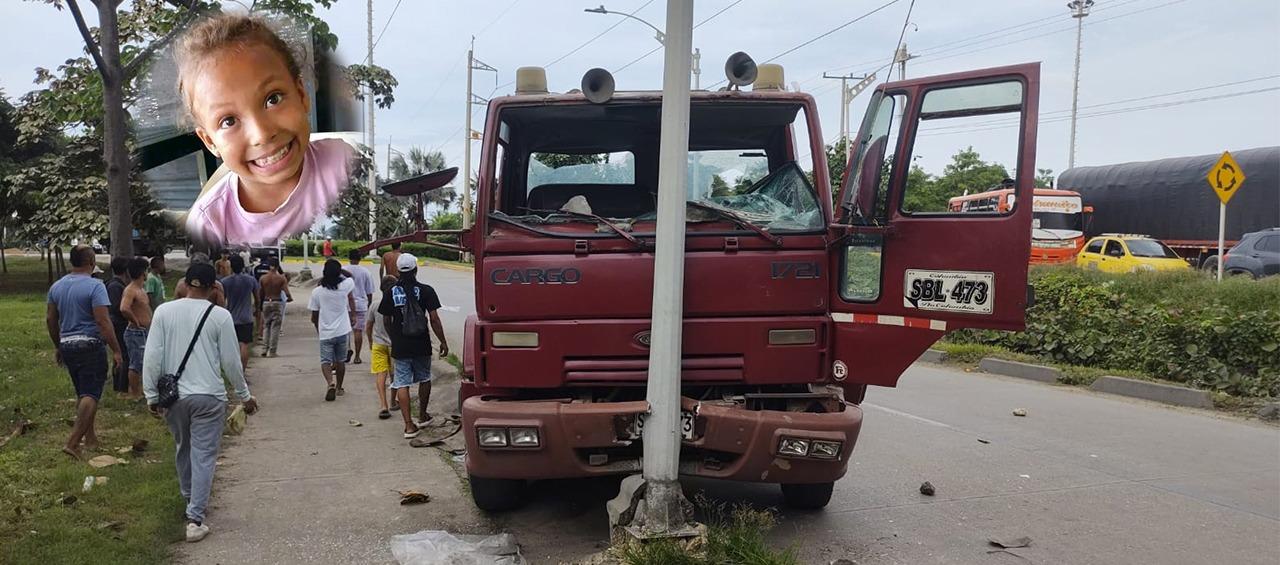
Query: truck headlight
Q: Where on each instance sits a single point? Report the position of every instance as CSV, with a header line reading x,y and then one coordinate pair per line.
x,y
794,447
524,437
824,449
492,437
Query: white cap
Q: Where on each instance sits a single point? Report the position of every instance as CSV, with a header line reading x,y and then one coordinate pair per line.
x,y
406,263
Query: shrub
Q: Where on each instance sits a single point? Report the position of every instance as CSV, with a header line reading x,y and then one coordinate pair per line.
x,y
341,247
1183,327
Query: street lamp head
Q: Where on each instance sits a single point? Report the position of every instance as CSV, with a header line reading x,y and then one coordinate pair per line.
x,y
599,10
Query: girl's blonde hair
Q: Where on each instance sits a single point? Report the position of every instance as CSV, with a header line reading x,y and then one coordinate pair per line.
x,y
223,31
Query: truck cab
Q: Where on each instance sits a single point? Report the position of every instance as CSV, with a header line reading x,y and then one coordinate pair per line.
x,y
798,295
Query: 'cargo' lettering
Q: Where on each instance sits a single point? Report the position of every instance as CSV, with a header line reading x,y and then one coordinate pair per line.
x,y
559,275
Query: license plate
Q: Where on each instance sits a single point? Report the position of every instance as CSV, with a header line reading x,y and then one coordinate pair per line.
x,y
686,425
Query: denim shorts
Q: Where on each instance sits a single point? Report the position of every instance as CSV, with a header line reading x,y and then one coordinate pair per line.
x,y
86,361
411,371
135,341
334,349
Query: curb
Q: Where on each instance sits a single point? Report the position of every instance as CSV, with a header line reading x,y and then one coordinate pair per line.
x,y
1269,411
1028,371
934,356
1168,394
450,266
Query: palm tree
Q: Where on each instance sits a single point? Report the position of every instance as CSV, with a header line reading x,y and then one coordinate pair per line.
x,y
419,161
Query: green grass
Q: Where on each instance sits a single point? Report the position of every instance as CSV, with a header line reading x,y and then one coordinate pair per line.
x,y
135,516
735,536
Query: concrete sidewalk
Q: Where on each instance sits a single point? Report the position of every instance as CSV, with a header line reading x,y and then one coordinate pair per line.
x,y
303,485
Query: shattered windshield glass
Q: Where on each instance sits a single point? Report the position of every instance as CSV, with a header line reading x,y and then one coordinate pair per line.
x,y
782,200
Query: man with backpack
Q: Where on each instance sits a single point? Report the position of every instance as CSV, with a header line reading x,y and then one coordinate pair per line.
x,y
408,307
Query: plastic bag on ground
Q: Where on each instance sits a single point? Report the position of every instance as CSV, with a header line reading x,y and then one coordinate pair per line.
x,y
436,547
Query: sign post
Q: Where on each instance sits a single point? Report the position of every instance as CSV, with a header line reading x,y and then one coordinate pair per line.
x,y
1225,177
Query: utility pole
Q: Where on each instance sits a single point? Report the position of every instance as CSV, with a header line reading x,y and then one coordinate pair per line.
x,y
901,56
373,170
473,64
664,502
697,69
1079,9
847,94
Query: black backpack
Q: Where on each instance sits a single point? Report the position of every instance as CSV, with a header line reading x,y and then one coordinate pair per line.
x,y
414,323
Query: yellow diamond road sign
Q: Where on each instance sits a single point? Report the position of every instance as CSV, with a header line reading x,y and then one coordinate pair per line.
x,y
1226,177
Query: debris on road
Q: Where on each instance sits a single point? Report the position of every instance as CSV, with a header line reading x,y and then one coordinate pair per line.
x,y
1014,543
1020,412
926,488
1025,476
106,461
140,445
437,547
355,423
90,481
412,497
980,440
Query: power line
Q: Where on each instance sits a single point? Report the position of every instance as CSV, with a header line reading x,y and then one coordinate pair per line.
x,y
1014,120
696,26
387,24
499,17
926,132
597,36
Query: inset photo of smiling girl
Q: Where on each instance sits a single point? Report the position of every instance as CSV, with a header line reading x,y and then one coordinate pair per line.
x,y
245,92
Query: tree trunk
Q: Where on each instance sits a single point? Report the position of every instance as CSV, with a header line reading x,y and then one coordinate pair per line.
x,y
49,264
62,266
4,262
115,154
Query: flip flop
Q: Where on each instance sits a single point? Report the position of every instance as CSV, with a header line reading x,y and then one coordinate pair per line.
x,y
331,394
413,434
383,415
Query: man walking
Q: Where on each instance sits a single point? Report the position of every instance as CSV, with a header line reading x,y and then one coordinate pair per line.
x,y
274,285
332,313
363,296
380,352
196,419
78,324
242,296
115,293
136,308
223,265
155,285
411,346
389,262
215,295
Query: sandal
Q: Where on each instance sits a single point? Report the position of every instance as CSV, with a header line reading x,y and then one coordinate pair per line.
x,y
331,394
413,434
383,415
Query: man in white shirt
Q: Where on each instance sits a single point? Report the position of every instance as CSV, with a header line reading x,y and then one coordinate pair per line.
x,y
197,418
363,295
333,311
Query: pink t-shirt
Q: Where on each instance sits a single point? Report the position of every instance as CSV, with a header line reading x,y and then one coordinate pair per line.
x,y
218,217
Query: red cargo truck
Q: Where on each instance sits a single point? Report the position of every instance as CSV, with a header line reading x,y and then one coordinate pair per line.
x,y
794,301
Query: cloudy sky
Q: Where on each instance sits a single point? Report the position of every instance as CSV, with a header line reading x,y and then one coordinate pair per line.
x,y
1159,78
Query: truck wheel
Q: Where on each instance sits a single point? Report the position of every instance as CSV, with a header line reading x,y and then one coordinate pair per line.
x,y
808,496
496,495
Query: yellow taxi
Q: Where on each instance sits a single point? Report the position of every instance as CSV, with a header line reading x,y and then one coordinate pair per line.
x,y
1128,253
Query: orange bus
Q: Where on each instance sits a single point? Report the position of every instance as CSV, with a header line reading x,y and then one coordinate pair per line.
x,y
1057,224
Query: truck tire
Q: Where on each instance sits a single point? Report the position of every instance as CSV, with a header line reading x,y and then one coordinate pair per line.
x,y
496,495
807,496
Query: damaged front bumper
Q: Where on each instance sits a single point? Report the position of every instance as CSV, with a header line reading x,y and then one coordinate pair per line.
x,y
727,440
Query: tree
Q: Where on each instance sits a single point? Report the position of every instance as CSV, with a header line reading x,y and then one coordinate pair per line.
x,y
966,173
350,213
419,162
94,90
557,160
1044,178
719,187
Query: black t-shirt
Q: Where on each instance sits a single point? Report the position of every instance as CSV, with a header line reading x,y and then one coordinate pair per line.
x,y
393,305
115,294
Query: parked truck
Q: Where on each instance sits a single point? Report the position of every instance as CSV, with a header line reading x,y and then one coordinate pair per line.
x,y
794,302
1171,200
1057,220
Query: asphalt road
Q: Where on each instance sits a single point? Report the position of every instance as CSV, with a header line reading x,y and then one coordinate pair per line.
x,y
1090,478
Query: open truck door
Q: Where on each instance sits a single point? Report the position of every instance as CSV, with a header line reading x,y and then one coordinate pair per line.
x,y
905,268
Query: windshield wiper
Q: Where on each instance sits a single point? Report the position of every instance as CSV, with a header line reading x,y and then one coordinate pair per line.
x,y
589,216
733,216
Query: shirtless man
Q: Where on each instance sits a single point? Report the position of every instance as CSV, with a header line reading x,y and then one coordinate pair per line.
x,y
389,262
216,296
271,285
135,307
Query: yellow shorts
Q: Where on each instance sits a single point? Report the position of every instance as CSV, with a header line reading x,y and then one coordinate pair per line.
x,y
381,360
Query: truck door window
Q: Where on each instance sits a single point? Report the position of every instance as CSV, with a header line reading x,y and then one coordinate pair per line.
x,y
860,269
967,142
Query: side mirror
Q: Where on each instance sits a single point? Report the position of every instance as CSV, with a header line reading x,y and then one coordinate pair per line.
x,y
869,176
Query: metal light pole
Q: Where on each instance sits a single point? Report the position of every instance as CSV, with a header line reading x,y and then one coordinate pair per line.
x,y
695,57
373,171
847,94
473,65
1079,10
901,56
664,502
